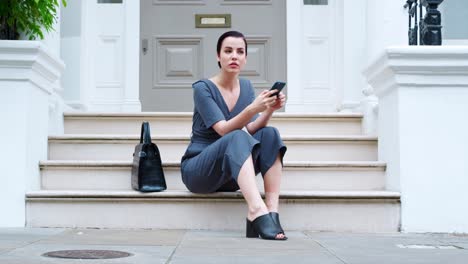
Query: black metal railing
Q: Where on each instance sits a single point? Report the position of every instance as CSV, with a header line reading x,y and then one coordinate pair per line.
x,y
429,30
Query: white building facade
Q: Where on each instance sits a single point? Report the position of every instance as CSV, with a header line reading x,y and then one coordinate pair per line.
x,y
415,99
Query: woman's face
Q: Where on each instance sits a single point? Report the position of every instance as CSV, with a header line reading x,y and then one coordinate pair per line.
x,y
232,54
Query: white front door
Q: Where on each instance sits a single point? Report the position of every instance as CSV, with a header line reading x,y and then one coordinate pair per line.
x,y
318,67
314,55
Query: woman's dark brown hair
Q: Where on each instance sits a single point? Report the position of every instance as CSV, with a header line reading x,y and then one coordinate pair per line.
x,y
235,34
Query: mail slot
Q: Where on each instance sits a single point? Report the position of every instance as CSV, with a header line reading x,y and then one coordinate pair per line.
x,y
213,20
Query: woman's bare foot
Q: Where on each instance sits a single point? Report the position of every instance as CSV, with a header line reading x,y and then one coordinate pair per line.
x,y
256,212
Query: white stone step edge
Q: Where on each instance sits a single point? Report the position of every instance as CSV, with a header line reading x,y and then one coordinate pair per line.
x,y
306,175
276,116
125,138
186,195
176,164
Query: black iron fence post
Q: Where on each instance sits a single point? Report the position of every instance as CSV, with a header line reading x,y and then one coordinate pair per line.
x,y
429,27
412,31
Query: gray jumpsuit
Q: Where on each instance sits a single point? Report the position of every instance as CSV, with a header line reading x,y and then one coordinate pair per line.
x,y
212,162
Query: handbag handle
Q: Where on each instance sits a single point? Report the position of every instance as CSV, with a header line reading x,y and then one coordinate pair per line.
x,y
145,136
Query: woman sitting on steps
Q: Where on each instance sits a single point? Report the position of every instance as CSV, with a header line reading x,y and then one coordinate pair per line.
x,y
221,156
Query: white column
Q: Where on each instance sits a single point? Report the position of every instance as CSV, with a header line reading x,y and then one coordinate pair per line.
x,y
52,42
131,100
294,33
28,72
387,24
52,39
423,95
72,50
352,44
87,42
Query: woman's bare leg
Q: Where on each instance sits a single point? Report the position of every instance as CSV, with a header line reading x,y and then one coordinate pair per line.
x,y
272,182
248,187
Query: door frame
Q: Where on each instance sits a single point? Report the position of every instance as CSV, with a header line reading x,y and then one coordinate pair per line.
x,y
295,36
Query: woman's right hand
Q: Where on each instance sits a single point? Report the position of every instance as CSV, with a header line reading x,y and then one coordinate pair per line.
x,y
264,101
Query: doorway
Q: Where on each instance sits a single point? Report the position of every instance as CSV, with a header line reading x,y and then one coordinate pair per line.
x,y
178,46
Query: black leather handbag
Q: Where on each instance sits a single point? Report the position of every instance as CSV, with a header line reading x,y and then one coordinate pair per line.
x,y
147,171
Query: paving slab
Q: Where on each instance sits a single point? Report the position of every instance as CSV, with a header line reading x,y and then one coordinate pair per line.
x,y
136,237
458,240
140,254
11,244
27,246
11,238
233,247
451,238
4,250
389,248
28,234
461,245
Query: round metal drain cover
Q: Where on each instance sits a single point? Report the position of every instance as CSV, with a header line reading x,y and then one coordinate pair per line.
x,y
87,254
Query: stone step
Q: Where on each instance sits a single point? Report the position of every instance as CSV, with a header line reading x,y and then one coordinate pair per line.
x,y
338,211
121,147
180,124
303,176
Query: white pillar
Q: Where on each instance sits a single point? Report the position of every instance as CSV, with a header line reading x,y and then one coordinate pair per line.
x,y
72,53
352,44
131,100
387,24
294,59
423,95
52,42
28,72
52,39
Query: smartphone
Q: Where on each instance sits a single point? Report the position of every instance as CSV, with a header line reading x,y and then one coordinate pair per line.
x,y
277,86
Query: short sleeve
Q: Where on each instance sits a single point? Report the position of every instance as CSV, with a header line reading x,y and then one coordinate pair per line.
x,y
206,105
251,90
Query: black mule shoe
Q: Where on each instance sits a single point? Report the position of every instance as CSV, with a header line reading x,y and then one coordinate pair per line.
x,y
263,226
275,217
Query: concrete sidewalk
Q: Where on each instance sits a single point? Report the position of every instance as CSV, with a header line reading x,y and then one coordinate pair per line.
x,y
26,245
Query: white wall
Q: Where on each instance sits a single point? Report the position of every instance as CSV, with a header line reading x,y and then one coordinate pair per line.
x,y
28,76
423,95
389,137
13,170
71,52
434,155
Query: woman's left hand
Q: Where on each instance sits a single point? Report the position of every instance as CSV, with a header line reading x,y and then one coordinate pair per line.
x,y
264,118
279,103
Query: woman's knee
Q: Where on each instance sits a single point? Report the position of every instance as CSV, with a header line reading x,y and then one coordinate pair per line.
x,y
238,135
269,132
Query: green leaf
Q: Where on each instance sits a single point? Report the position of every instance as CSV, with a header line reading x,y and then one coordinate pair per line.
x,y
31,17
